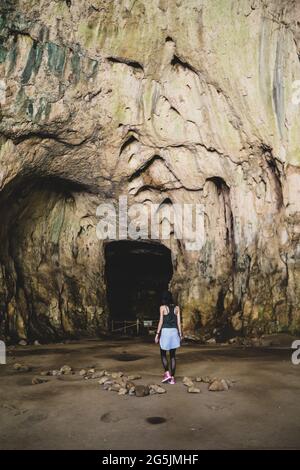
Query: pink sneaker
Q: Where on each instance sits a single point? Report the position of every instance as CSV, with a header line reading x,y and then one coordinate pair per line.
x,y
166,377
172,381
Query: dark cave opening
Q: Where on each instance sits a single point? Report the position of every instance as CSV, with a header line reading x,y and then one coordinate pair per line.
x,y
137,273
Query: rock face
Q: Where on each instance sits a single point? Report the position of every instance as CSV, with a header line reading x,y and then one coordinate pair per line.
x,y
182,101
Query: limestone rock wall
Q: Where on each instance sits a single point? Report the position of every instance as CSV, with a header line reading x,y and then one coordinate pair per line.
x,y
163,100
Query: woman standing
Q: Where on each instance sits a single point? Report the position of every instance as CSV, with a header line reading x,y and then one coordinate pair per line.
x,y
169,335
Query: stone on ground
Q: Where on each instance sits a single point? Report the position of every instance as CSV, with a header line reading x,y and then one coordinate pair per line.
x,y
103,380
218,386
38,380
134,377
21,367
116,375
187,381
66,370
142,390
154,388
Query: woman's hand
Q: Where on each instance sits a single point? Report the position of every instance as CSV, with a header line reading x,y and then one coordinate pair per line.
x,y
156,338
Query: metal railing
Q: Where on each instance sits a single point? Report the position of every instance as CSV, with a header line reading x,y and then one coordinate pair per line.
x,y
132,325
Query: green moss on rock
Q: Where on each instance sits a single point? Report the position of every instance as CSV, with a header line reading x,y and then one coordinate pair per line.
x,y
43,110
12,56
33,62
56,58
75,65
3,52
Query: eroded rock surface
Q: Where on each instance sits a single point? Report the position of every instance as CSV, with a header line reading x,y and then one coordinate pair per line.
x,y
164,101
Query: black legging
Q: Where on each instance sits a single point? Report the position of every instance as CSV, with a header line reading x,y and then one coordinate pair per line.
x,y
164,360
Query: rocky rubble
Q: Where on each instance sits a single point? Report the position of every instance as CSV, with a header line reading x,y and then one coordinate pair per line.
x,y
214,384
111,381
125,384
64,370
118,382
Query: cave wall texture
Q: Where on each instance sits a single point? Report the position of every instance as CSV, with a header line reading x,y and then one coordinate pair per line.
x,y
162,100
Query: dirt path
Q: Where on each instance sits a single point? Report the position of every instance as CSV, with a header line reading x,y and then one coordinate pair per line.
x,y
262,410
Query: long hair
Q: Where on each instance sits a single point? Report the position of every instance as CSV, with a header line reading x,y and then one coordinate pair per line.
x,y
167,298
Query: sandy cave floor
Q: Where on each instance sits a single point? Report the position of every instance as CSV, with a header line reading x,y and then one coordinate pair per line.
x,y
262,410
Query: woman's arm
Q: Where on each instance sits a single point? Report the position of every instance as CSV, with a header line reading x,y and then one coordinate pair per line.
x,y
178,321
160,323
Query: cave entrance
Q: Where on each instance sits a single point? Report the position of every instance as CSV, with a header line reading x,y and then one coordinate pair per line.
x,y
137,273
